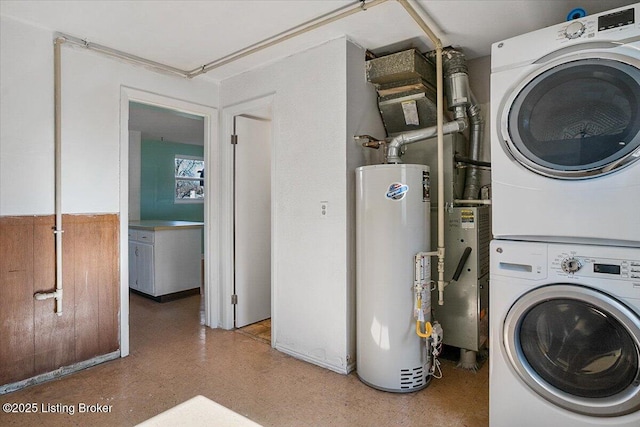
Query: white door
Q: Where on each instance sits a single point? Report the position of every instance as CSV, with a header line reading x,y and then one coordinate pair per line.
x,y
252,220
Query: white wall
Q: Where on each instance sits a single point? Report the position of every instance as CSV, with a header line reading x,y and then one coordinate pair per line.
x,y
90,121
312,276
26,118
92,101
363,117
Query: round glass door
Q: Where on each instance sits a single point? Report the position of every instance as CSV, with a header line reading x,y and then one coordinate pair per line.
x,y
577,348
577,119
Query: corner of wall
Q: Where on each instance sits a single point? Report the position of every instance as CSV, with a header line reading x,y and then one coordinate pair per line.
x,y
363,117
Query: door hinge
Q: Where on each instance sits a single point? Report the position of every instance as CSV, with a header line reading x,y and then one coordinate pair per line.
x,y
234,139
234,299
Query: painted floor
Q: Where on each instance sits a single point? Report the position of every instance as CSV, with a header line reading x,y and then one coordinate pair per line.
x,y
174,358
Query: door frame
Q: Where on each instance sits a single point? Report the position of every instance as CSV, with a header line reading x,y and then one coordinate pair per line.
x,y
211,204
226,232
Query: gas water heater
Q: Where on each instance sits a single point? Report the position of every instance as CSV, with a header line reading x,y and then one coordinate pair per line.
x,y
392,226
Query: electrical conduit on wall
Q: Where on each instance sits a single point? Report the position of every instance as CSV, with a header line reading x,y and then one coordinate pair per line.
x,y
57,294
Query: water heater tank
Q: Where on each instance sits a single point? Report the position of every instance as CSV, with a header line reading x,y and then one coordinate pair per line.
x,y
392,226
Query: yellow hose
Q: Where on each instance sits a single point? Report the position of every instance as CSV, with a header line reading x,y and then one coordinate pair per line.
x,y
427,325
427,329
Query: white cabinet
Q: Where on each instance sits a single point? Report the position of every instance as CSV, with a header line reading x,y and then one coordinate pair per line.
x,y
164,257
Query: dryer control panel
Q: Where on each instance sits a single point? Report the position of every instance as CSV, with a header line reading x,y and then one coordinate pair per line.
x,y
589,26
574,264
616,19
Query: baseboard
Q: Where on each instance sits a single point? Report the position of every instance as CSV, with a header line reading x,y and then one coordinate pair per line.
x,y
60,372
315,361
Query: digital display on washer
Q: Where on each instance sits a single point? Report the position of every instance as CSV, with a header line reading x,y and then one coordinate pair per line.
x,y
616,19
606,268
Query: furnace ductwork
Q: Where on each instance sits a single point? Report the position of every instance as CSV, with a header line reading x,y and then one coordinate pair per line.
x,y
404,82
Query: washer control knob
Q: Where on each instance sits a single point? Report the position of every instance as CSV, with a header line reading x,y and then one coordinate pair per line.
x,y
570,265
574,30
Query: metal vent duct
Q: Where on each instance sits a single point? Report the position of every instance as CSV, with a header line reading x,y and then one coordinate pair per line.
x,y
406,85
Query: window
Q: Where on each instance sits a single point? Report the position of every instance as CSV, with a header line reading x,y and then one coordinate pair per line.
x,y
189,174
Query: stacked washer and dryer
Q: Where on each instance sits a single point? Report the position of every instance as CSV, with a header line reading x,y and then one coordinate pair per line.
x,y
565,262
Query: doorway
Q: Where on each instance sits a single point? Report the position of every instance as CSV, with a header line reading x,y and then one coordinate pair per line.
x,y
209,152
166,202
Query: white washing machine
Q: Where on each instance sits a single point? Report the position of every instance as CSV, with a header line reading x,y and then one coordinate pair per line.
x,y
564,335
565,132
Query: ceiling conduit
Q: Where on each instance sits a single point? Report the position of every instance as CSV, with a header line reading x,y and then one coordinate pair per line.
x,y
359,6
328,18
411,6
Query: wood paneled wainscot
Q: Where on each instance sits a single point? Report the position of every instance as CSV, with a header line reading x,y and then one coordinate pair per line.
x,y
33,339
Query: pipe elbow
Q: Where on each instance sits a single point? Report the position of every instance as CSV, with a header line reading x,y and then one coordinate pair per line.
x,y
393,149
461,123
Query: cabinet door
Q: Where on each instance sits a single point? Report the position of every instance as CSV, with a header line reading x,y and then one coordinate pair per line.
x,y
145,268
133,266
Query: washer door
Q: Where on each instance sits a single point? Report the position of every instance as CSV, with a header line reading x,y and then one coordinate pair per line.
x,y
576,347
577,119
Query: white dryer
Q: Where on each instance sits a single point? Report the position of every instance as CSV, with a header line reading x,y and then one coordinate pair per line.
x,y
565,132
564,335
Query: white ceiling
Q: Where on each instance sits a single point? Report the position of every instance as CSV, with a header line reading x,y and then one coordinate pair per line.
x,y
160,124
188,34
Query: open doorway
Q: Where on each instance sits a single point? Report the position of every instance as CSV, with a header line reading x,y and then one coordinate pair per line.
x,y
251,309
166,197
166,147
166,214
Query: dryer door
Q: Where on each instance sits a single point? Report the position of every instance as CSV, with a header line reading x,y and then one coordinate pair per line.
x,y
576,347
576,119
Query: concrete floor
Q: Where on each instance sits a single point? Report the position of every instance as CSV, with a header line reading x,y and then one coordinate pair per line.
x,y
174,358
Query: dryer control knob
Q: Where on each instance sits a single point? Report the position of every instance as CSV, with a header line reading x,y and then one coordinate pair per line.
x,y
570,265
574,30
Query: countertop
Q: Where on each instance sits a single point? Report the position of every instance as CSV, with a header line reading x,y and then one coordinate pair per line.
x,y
157,224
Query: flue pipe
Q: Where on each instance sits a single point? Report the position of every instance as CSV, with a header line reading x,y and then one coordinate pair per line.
x,y
396,143
461,101
476,130
57,73
440,121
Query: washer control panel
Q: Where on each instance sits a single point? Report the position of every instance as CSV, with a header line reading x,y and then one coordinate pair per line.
x,y
572,264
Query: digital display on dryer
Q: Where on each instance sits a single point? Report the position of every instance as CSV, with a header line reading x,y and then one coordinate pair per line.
x,y
606,268
616,19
